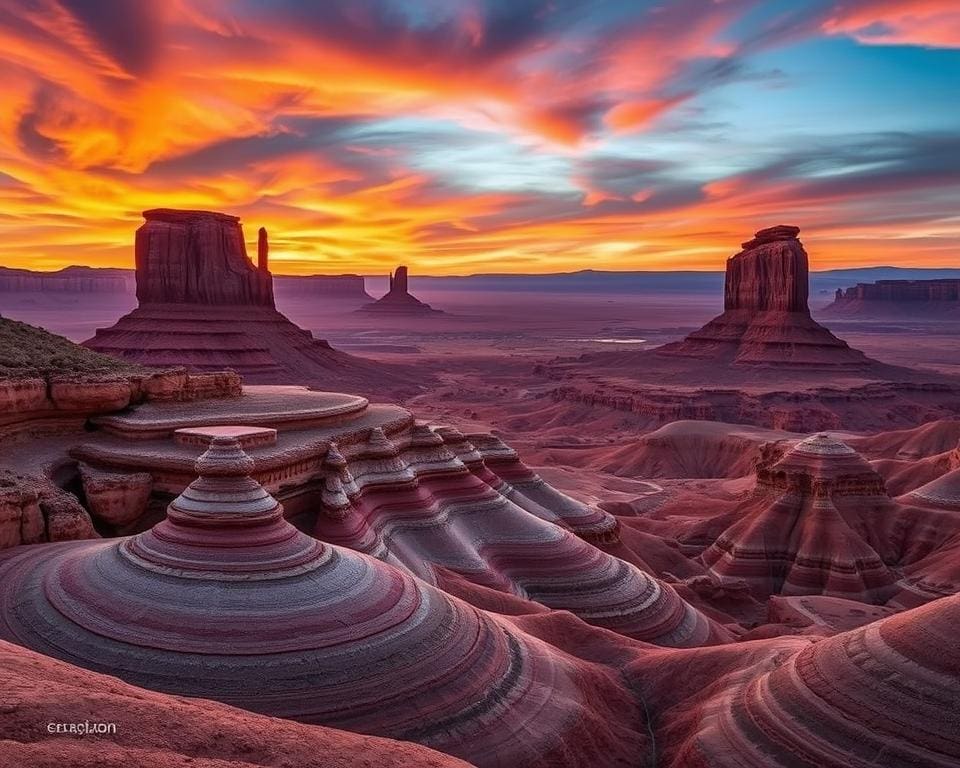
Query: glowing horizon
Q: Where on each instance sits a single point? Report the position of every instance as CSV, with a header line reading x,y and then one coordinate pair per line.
x,y
484,136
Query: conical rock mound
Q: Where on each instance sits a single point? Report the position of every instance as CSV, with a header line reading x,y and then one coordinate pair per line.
x,y
225,600
806,529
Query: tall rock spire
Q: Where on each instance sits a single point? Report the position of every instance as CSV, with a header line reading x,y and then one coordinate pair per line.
x,y
263,251
398,299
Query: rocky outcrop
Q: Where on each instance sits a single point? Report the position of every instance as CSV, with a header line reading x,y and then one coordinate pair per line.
x,y
283,624
810,527
41,406
914,298
206,307
114,498
197,257
766,321
34,510
398,299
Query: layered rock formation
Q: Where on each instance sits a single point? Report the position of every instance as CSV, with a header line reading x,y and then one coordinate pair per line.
x,y
226,600
205,306
809,527
764,361
881,695
897,297
198,257
398,299
50,384
428,500
766,321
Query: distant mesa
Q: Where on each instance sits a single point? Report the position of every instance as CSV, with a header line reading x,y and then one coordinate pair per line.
x,y
398,300
343,289
75,279
204,305
913,298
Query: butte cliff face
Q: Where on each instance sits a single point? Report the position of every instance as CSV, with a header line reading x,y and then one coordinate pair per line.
x,y
205,306
766,321
199,257
398,300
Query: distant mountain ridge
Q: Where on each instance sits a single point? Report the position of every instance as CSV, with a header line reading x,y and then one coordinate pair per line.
x,y
84,279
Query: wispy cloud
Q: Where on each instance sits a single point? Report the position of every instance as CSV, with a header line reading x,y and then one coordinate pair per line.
x,y
463,134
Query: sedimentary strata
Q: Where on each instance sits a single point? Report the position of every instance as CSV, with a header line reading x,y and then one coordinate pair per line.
x,y
226,600
422,498
806,529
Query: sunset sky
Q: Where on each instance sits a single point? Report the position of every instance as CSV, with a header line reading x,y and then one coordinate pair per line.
x,y
462,136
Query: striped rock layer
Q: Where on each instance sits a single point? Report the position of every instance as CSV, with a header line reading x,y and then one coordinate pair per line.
x,y
226,600
421,498
810,527
434,497
882,695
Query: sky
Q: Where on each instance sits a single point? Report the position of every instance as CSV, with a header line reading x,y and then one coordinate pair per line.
x,y
468,136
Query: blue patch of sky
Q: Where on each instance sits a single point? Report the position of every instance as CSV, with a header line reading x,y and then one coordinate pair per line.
x,y
477,160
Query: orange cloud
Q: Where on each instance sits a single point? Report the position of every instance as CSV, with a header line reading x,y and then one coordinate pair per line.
x,y
246,108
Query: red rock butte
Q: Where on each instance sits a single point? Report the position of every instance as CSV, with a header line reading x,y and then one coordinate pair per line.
x,y
398,300
763,361
766,320
205,306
